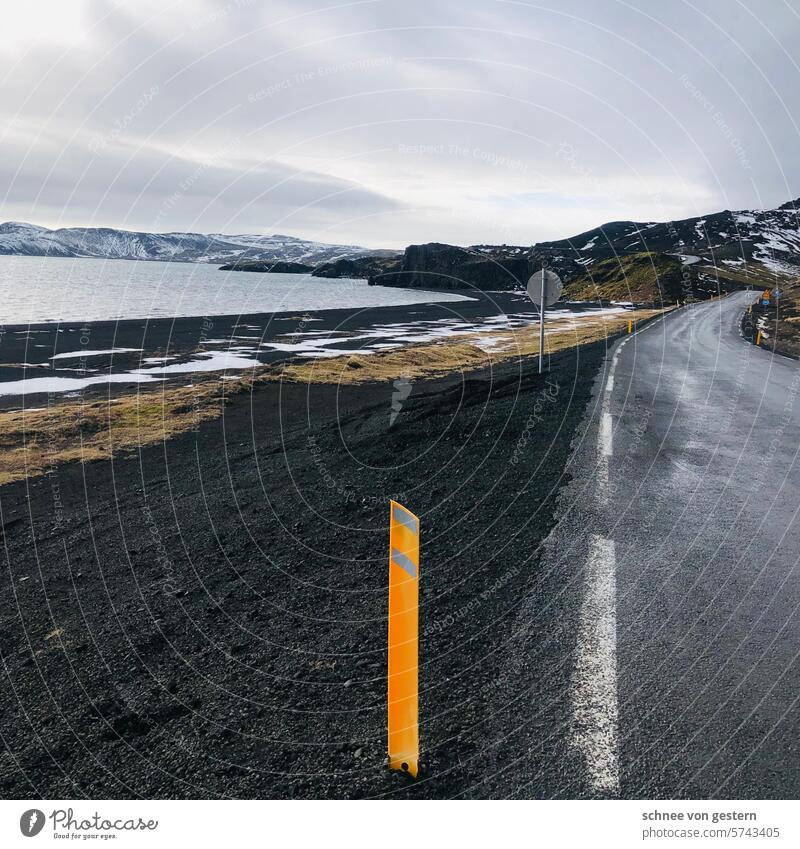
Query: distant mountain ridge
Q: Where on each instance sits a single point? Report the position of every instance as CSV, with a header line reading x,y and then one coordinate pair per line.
x,y
723,250
20,238
720,251
770,237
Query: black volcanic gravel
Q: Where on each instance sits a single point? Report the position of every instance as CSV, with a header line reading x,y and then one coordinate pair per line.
x,y
207,617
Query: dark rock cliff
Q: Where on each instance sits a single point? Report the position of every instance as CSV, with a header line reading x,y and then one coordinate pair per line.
x,y
439,266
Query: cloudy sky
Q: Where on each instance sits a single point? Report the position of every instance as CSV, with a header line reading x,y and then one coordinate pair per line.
x,y
386,122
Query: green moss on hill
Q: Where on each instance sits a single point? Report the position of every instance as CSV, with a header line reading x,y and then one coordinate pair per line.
x,y
640,277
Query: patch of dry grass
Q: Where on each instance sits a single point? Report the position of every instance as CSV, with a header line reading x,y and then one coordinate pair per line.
x,y
35,441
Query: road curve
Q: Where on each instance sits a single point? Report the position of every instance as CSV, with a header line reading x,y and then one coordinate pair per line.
x,y
680,537
697,495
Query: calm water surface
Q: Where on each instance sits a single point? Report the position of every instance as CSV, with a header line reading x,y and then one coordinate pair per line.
x,y
48,289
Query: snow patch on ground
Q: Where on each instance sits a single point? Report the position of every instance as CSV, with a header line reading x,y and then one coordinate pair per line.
x,y
317,344
74,355
34,385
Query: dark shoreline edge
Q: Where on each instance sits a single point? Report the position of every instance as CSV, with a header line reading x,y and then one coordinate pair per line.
x,y
481,302
26,350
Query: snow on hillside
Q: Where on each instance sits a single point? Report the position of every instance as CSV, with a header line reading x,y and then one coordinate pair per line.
x,y
770,237
775,237
20,238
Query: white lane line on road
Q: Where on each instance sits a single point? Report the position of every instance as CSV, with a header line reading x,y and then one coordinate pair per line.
x,y
606,435
594,683
594,697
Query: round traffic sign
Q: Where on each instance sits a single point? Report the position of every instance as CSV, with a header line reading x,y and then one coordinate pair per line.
x,y
552,287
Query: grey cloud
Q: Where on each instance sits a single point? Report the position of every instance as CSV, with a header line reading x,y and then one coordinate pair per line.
x,y
667,110
143,189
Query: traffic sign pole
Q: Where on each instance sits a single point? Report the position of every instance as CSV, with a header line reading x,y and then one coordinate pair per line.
x,y
544,288
541,327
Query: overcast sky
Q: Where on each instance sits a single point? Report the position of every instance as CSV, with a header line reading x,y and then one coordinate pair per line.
x,y
386,122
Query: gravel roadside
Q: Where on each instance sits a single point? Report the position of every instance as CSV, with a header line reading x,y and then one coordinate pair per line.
x,y
206,617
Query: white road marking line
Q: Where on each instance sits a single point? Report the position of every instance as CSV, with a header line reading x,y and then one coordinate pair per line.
x,y
594,683
606,435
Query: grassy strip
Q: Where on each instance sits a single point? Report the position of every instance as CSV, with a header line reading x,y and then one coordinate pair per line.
x,y
34,442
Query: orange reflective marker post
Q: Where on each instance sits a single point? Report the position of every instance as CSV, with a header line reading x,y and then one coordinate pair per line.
x,y
403,676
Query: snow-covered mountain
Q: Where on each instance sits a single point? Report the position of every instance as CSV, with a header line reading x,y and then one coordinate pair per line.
x,y
747,240
769,237
107,243
705,255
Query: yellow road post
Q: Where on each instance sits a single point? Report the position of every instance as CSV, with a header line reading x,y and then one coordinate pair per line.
x,y
403,671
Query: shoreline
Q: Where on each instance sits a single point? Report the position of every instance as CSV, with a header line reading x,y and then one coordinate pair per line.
x,y
111,417
87,350
229,318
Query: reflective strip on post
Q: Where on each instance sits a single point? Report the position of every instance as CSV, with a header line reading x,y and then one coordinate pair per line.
x,y
403,672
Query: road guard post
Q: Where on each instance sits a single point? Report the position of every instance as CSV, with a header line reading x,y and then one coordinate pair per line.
x,y
403,669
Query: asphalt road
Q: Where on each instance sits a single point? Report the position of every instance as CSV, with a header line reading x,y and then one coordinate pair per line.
x,y
680,536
